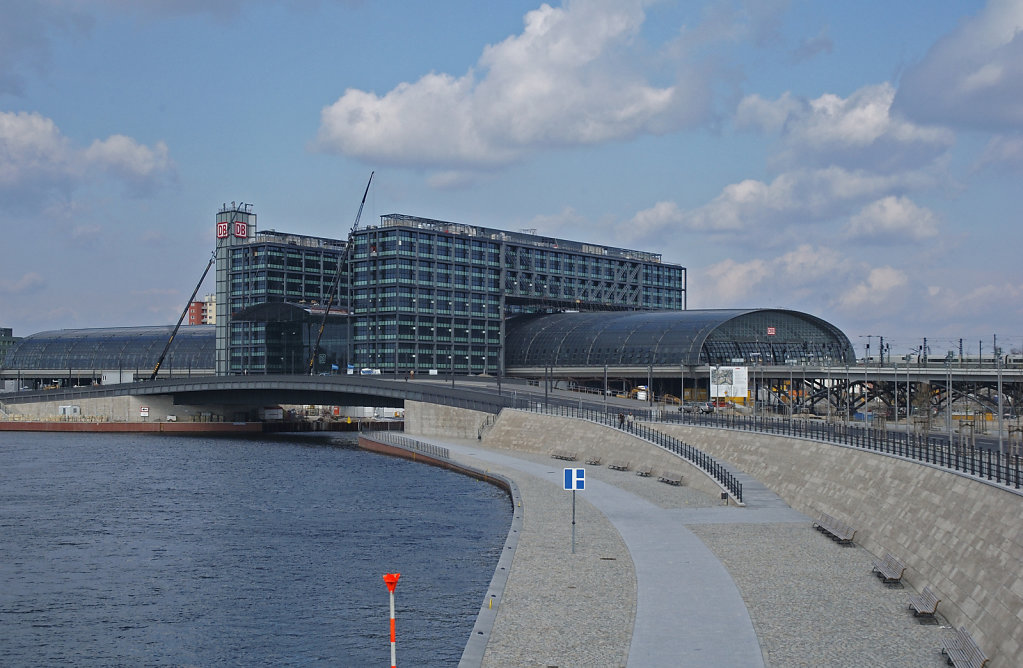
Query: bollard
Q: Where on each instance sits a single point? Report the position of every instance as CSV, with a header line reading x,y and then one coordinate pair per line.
x,y
391,580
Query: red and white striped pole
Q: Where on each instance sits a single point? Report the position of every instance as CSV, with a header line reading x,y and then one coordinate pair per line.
x,y
391,580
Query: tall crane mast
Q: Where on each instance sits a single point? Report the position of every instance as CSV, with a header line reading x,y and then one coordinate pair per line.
x,y
191,299
341,263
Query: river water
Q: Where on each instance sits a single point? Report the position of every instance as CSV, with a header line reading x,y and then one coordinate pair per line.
x,y
161,550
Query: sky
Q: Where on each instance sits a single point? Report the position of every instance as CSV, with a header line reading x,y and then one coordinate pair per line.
x,y
854,161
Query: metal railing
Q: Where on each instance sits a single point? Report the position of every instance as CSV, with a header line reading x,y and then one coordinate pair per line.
x,y
618,420
391,438
994,466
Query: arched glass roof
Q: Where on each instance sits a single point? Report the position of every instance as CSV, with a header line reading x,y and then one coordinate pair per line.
x,y
718,336
115,348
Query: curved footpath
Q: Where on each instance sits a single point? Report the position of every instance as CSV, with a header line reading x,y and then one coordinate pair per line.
x,y
664,576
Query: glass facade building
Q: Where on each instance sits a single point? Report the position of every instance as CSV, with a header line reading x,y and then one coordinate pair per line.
x,y
268,267
418,294
428,294
7,342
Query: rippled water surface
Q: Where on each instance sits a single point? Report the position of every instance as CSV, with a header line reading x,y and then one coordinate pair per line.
x,y
154,550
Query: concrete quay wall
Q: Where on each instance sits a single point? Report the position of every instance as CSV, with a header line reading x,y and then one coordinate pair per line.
x,y
959,535
114,409
539,434
442,421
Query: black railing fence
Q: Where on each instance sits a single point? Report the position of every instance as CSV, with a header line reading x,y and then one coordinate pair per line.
x,y
627,422
995,466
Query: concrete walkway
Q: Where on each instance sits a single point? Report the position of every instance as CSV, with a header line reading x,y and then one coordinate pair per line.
x,y
688,609
665,576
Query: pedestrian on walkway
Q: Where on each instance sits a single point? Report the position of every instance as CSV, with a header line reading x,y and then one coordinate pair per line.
x,y
621,420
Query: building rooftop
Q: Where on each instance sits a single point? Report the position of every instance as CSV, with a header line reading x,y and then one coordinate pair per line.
x,y
525,238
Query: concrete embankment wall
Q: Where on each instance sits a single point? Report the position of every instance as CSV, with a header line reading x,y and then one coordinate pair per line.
x,y
536,433
958,535
114,409
442,421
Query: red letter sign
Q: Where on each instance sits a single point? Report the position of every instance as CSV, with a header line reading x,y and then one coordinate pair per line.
x,y
240,229
222,230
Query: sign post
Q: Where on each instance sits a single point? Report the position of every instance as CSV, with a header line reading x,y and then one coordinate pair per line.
x,y
574,479
391,580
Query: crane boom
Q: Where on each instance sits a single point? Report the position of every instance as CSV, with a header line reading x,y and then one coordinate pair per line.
x,y
174,332
342,261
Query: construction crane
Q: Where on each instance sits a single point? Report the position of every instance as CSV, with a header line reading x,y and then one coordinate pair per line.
x,y
342,261
174,332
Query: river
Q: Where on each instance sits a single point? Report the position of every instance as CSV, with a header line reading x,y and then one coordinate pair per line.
x,y
163,550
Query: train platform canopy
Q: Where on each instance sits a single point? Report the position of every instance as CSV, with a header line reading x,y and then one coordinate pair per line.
x,y
127,348
695,337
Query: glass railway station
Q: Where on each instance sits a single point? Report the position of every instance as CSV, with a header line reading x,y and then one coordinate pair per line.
x,y
413,294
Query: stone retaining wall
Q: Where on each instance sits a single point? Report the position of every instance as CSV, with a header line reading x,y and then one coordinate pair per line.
x,y
114,409
961,536
442,421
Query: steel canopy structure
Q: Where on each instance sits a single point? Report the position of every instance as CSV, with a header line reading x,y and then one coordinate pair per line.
x,y
672,338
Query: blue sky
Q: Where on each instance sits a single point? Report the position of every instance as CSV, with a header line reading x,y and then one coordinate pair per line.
x,y
851,160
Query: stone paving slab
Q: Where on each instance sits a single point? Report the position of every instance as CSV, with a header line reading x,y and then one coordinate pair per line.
x,y
810,601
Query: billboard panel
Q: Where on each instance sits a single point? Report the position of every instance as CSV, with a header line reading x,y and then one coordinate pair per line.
x,y
729,381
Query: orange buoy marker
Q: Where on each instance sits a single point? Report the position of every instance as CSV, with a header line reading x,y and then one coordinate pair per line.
x,y
391,580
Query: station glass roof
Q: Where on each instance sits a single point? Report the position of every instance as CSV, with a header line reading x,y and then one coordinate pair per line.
x,y
717,336
114,348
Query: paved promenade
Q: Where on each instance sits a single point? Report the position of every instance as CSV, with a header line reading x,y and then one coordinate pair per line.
x,y
666,576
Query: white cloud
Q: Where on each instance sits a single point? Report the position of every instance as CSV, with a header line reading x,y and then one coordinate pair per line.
x,y
796,198
811,46
566,80
970,302
35,155
876,290
31,147
754,112
1002,151
127,158
797,274
731,283
26,284
892,220
816,279
857,131
972,77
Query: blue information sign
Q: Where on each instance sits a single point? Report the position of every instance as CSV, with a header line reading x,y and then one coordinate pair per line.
x,y
575,479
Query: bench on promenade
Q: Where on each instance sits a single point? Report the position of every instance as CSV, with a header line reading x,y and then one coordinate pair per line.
x,y
644,470
671,477
889,569
563,454
962,650
839,531
594,460
924,604
618,465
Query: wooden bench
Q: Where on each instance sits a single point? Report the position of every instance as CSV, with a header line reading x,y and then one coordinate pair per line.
x,y
925,604
563,454
961,649
889,569
671,477
839,531
618,465
644,470
594,460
